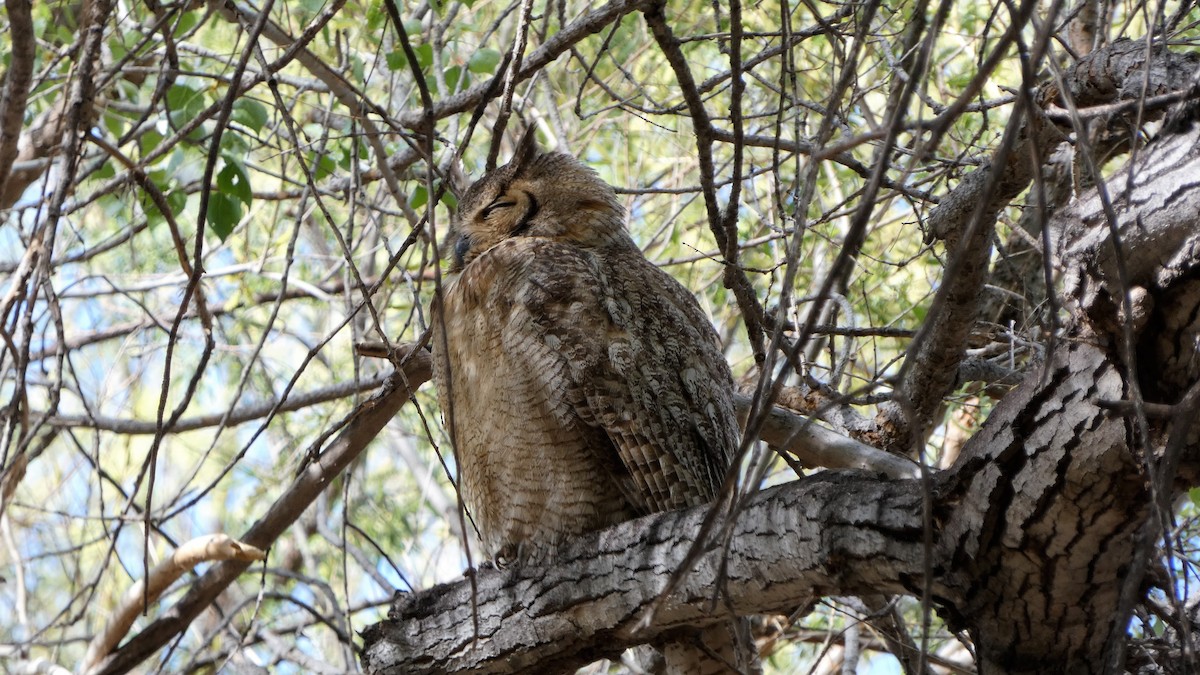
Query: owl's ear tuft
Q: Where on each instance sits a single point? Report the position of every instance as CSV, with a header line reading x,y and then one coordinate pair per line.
x,y
527,149
457,180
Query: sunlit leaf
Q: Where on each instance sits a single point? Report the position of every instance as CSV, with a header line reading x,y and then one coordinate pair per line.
x,y
376,15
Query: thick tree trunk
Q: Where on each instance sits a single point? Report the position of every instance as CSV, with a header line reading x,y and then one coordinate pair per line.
x,y
1040,519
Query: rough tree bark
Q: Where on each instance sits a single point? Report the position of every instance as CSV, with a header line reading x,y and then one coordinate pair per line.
x,y
1044,532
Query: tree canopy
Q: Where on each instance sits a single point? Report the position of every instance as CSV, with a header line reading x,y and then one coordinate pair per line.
x,y
223,229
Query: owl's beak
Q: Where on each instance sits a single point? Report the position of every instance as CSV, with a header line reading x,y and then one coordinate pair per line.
x,y
461,248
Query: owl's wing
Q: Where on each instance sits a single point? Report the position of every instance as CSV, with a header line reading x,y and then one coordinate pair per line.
x,y
622,350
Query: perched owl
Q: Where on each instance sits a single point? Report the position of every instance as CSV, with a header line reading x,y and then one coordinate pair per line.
x,y
581,385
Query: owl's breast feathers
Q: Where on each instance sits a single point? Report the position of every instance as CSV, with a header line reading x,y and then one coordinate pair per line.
x,y
590,375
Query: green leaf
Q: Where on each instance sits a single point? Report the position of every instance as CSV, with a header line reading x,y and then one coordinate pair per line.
x,y
160,177
484,61
223,215
65,34
186,22
419,197
106,171
452,76
322,166
115,124
424,55
185,105
250,113
176,201
234,145
232,181
180,96
396,60
149,142
175,162
376,15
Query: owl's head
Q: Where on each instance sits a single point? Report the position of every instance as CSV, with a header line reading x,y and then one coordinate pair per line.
x,y
537,194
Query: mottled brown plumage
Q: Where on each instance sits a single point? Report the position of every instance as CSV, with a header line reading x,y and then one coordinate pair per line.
x,y
581,385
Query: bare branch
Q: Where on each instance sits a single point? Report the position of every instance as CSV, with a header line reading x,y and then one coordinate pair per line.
x,y
232,417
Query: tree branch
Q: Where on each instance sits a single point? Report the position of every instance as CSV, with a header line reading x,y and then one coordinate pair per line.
x,y
806,538
16,84
238,416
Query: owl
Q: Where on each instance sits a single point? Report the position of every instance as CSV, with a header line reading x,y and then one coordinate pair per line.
x,y
581,386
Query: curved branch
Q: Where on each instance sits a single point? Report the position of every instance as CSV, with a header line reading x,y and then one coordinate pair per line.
x,y
817,446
